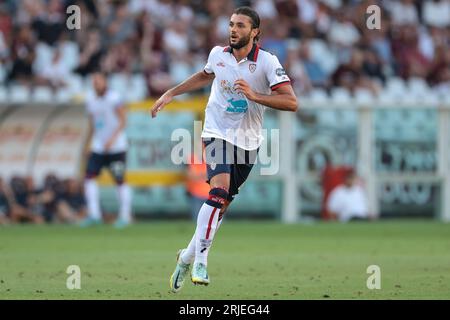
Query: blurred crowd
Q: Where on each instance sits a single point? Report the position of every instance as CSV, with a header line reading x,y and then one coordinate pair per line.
x,y
322,43
56,201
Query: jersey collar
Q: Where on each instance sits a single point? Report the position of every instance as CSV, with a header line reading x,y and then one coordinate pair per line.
x,y
252,55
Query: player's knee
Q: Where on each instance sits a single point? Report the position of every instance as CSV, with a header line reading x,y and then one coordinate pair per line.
x,y
217,197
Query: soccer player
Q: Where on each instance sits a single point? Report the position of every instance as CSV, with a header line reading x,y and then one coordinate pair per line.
x,y
245,79
107,120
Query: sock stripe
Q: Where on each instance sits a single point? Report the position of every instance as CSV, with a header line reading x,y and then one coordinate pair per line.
x,y
211,217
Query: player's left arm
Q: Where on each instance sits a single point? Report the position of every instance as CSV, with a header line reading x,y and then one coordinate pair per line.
x,y
122,116
283,98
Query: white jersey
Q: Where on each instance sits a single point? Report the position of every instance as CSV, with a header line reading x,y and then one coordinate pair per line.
x,y
102,110
230,115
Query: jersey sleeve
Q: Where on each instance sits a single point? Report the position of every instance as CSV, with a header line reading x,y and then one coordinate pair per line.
x,y
209,69
276,75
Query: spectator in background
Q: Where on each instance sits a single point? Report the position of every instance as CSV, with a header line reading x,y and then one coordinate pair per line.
x,y
296,70
48,198
119,25
275,40
377,42
439,75
343,35
410,60
24,208
6,203
72,204
314,71
120,58
54,74
348,201
436,13
164,39
5,33
91,53
351,75
403,12
49,21
372,66
23,55
288,13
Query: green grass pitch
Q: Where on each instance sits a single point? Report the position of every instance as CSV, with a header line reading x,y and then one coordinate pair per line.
x,y
249,260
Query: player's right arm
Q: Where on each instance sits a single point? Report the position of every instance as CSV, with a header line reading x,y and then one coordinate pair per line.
x,y
196,81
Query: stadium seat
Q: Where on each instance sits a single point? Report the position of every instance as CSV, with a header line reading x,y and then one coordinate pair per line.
x,y
396,86
318,96
416,83
63,96
387,97
364,97
431,98
137,88
341,96
410,98
19,94
42,95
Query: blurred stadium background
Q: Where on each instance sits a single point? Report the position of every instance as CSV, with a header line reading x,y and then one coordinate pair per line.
x,y
374,100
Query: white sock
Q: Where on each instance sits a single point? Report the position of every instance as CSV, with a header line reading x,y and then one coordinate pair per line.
x,y
188,255
124,192
92,199
204,234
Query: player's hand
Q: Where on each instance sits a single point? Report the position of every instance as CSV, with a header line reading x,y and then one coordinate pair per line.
x,y
243,87
160,104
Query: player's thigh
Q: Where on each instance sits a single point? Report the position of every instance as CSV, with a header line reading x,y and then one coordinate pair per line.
x,y
241,170
117,166
94,165
218,163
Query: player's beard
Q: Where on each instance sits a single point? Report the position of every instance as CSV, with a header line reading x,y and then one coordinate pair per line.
x,y
241,43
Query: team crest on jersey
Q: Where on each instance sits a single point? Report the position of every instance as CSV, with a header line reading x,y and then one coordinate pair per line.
x,y
252,67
